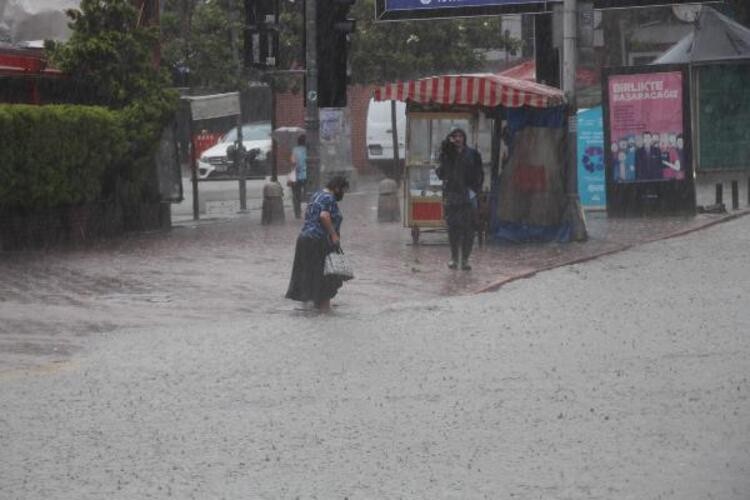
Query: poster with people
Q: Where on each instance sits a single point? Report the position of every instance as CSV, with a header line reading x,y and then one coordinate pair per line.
x,y
647,137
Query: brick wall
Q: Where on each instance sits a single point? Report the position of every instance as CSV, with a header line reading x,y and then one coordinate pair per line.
x,y
290,112
358,98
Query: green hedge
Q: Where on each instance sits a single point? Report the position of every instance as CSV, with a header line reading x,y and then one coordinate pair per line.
x,y
56,155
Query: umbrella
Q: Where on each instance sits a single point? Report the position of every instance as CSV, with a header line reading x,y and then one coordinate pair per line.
x,y
287,136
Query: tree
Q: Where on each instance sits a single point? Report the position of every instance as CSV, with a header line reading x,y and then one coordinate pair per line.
x,y
197,40
741,10
112,58
196,34
109,53
177,35
391,51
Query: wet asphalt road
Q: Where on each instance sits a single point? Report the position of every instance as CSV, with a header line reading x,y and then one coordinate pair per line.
x,y
168,365
53,303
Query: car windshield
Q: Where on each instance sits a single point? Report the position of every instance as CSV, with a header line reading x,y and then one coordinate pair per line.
x,y
250,132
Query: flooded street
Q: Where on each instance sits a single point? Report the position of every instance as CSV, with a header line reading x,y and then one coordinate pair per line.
x,y
147,348
168,365
53,303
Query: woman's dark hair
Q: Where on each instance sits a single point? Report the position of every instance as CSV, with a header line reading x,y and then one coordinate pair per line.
x,y
301,140
338,182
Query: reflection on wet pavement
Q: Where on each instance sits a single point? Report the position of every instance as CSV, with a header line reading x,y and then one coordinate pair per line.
x,y
51,302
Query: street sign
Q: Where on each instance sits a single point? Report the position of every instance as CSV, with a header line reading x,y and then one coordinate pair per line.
x,y
392,10
206,107
387,10
619,4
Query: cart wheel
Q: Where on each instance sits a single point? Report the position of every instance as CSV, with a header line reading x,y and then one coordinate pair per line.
x,y
415,235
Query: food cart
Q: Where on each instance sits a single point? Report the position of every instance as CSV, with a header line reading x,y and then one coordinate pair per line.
x,y
479,104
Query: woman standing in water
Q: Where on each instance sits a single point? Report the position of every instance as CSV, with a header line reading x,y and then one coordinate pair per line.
x,y
320,235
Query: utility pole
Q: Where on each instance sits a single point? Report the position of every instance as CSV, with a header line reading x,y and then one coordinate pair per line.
x,y
394,139
312,118
574,213
570,12
239,156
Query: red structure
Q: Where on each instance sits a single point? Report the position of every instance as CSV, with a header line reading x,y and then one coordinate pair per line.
x,y
203,141
23,70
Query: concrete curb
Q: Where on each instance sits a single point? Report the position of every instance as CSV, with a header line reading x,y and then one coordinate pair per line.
x,y
496,285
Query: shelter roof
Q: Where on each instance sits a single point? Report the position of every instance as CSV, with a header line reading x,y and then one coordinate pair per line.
x,y
714,37
478,89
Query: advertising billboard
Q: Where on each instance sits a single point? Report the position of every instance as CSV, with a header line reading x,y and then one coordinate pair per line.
x,y
647,140
647,137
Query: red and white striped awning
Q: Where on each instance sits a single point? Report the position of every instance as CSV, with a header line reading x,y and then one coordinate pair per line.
x,y
481,89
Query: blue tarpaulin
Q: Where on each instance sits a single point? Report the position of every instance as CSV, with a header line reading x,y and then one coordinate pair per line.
x,y
528,199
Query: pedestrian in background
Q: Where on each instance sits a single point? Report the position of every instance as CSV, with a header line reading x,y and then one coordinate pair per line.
x,y
462,175
299,180
320,235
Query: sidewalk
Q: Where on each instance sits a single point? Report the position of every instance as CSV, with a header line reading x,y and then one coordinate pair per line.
x,y
389,267
611,235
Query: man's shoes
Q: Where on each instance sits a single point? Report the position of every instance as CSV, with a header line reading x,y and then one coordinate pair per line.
x,y
465,266
452,264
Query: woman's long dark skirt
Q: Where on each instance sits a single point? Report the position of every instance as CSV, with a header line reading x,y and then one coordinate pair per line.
x,y
308,282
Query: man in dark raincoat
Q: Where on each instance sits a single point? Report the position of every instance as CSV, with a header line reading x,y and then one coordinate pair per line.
x,y
462,175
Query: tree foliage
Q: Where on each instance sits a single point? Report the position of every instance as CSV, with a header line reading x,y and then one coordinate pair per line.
x,y
398,50
112,58
197,41
197,34
110,54
741,10
64,165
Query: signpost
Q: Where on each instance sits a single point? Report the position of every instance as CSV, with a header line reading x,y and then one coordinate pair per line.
x,y
207,108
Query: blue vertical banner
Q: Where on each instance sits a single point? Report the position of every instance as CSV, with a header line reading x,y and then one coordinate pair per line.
x,y
591,182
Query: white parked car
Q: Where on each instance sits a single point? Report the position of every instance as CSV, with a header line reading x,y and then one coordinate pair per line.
x,y
380,138
215,162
